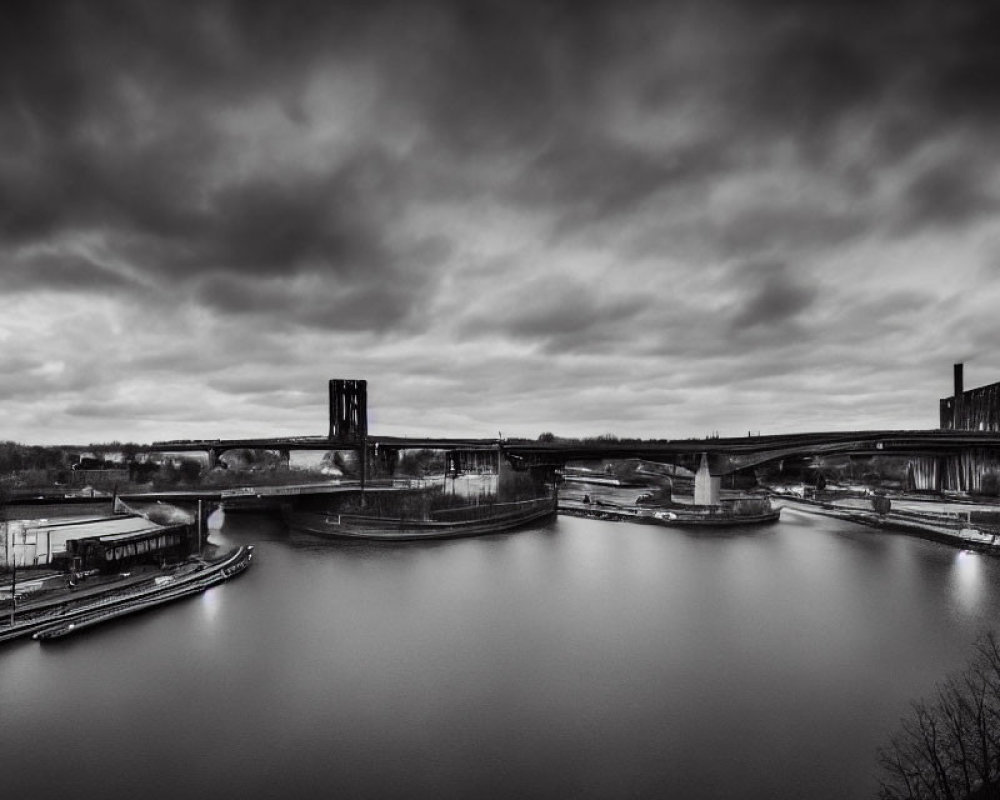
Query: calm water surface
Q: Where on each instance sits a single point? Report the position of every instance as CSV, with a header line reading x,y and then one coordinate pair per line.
x,y
577,659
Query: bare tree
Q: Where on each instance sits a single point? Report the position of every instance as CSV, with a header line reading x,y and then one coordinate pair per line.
x,y
949,748
955,715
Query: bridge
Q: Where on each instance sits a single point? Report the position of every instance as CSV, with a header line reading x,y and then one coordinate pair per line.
x,y
930,450
939,458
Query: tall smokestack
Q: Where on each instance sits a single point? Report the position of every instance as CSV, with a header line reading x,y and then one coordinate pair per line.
x,y
959,389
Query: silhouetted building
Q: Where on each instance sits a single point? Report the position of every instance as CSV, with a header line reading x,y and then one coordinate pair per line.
x,y
972,410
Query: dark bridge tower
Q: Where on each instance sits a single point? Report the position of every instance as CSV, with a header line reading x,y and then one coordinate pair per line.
x,y
348,411
349,418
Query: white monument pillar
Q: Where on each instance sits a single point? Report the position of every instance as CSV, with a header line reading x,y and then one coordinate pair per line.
x,y
706,485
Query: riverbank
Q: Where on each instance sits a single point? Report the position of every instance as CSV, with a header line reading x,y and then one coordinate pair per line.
x,y
947,528
63,609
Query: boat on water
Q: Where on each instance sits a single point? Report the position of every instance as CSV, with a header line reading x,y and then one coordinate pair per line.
x,y
393,514
728,514
160,593
600,480
709,517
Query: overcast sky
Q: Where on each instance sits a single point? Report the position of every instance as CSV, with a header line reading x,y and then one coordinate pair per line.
x,y
644,218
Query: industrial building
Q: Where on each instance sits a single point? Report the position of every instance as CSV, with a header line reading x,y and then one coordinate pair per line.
x,y
972,409
89,542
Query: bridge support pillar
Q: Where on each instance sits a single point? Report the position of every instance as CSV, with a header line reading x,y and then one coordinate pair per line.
x,y
213,457
706,485
285,457
926,473
382,461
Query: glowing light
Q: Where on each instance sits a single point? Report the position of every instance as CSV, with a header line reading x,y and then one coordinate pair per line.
x,y
210,604
216,519
967,580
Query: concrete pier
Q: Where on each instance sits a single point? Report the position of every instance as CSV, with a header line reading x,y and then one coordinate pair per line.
x,y
707,487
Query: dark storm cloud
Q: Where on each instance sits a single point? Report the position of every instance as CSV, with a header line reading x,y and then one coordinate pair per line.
x,y
63,273
963,71
119,410
864,315
813,76
773,296
563,307
112,107
334,306
592,179
780,223
247,384
172,227
248,184
954,191
107,408
817,62
559,313
499,75
23,379
114,116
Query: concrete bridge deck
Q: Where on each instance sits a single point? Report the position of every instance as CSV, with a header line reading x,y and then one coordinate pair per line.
x,y
725,454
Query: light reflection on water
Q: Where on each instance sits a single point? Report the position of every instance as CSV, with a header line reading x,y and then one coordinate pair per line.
x,y
209,602
967,580
581,658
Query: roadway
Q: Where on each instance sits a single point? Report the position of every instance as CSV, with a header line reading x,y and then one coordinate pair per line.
x,y
725,454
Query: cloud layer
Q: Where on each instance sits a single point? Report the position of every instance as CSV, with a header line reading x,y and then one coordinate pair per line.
x,y
649,218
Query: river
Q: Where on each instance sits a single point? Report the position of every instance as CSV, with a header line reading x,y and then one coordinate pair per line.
x,y
576,659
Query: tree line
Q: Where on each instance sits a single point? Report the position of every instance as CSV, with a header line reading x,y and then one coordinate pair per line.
x,y
16,457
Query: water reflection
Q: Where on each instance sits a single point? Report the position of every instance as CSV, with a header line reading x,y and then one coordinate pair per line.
x,y
578,659
209,602
967,581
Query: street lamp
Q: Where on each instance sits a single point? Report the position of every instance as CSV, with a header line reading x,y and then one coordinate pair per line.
x,y
13,587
